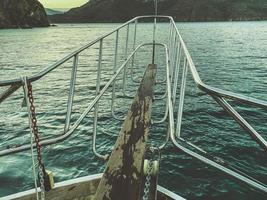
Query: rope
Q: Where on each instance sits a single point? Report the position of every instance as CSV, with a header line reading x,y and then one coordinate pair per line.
x,y
24,80
35,132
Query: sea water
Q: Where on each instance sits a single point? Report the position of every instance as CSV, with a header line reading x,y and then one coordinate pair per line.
x,y
228,55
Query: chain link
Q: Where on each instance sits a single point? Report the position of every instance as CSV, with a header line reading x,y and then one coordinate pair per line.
x,y
41,169
148,178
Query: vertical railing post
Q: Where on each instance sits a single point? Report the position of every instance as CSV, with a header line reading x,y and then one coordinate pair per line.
x,y
134,43
125,57
116,51
154,38
170,36
99,68
181,103
114,72
127,41
154,30
176,73
171,47
156,7
174,56
71,92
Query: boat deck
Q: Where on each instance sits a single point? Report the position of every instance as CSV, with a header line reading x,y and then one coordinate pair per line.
x,y
83,188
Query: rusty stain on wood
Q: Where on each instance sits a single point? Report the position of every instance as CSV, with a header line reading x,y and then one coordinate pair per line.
x,y
123,174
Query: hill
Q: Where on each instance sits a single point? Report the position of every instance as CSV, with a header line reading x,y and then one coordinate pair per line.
x,y
22,14
181,10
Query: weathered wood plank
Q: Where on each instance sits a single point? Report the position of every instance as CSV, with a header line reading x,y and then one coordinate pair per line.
x,y
123,173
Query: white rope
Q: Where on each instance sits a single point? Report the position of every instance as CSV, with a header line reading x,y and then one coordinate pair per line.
x,y
24,80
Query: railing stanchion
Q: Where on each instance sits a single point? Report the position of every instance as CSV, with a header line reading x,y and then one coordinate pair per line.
x,y
154,30
113,94
171,53
71,92
154,40
173,63
172,69
176,74
125,57
99,68
134,43
181,102
170,36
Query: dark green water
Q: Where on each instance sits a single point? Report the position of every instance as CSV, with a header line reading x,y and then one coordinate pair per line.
x,y
230,55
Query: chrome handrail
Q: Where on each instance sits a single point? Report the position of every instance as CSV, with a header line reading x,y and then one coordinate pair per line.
x,y
65,135
173,59
218,95
67,129
197,79
50,68
213,90
256,184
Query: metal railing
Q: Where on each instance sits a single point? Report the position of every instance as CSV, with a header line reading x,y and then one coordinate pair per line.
x,y
220,96
177,58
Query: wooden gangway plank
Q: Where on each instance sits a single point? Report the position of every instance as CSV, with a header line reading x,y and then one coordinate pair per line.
x,y
123,174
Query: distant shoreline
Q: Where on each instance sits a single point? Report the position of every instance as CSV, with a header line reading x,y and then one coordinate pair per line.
x,y
122,21
92,22
54,24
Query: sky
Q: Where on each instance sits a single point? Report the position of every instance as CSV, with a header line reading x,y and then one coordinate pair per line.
x,y
62,3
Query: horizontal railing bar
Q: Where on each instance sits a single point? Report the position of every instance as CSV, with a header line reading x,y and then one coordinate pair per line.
x,y
212,90
196,77
234,96
218,93
69,56
242,122
255,184
83,115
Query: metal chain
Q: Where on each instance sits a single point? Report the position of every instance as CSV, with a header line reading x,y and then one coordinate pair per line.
x,y
34,127
148,178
